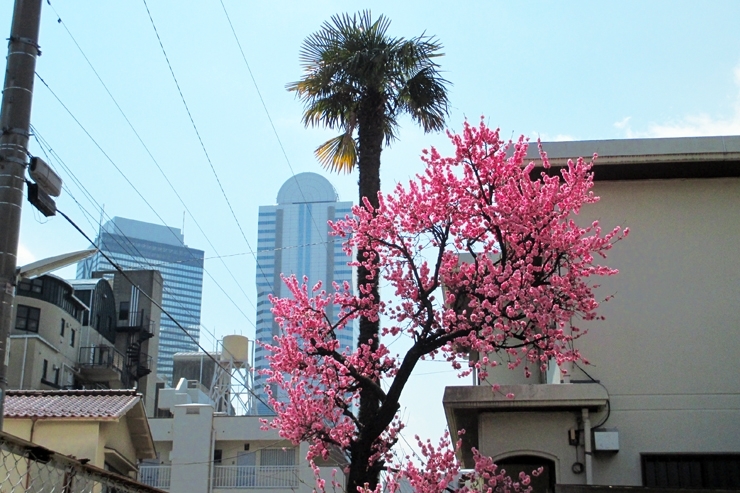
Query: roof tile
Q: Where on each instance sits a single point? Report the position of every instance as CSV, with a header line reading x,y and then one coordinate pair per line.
x,y
73,404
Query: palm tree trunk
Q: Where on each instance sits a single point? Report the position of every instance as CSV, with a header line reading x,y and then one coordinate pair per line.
x,y
370,134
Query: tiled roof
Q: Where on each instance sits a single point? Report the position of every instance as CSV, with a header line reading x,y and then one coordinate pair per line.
x,y
73,404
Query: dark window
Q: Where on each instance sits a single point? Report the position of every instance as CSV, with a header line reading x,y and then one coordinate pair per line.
x,y
704,471
56,376
31,285
217,455
44,370
27,318
72,338
61,331
123,310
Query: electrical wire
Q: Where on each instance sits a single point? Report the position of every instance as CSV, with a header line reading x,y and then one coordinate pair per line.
x,y
146,148
133,187
269,118
42,142
202,144
608,405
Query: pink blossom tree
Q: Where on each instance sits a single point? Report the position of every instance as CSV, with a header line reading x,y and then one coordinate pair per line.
x,y
527,274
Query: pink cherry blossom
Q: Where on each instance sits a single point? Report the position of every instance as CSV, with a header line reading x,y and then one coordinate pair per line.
x,y
528,273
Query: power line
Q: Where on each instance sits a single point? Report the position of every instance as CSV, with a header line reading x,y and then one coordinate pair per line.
x,y
159,305
134,188
146,148
202,144
42,143
269,118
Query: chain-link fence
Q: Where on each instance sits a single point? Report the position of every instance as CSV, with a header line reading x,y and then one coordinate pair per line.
x,y
29,468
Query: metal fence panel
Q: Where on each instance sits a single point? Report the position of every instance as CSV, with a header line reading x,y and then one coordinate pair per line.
x,y
29,468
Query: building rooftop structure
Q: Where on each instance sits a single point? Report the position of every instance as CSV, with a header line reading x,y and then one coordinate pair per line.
x,y
642,159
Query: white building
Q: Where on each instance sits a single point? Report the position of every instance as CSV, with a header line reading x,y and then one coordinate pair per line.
x,y
200,450
659,405
293,239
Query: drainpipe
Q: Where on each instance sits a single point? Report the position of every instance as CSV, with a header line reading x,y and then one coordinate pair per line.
x,y
23,366
587,446
28,461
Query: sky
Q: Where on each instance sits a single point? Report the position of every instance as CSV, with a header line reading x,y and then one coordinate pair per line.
x,y
129,146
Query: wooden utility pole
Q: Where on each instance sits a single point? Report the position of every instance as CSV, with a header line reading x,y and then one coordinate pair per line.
x,y
15,123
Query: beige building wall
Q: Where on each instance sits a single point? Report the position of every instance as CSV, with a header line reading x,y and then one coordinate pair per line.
x,y
28,350
667,351
187,441
77,438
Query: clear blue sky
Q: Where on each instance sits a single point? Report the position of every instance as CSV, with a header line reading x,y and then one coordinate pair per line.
x,y
558,70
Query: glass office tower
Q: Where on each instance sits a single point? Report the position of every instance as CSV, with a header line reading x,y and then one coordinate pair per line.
x,y
139,245
293,238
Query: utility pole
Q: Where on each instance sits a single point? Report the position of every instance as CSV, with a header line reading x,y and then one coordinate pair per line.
x,y
15,123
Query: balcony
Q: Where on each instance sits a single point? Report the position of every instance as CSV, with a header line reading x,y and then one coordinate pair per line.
x,y
155,476
464,405
229,477
233,477
101,363
136,322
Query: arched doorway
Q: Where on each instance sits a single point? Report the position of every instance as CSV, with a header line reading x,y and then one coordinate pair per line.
x,y
544,483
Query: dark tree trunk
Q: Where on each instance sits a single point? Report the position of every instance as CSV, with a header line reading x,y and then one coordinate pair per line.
x,y
370,133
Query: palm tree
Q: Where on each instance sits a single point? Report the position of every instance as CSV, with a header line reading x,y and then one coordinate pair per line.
x,y
360,80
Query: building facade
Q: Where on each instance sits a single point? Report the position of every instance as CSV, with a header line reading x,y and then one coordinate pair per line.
x,y
86,333
108,428
293,238
659,403
200,449
139,245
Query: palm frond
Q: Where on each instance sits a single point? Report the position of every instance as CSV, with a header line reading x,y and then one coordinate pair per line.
x,y
338,154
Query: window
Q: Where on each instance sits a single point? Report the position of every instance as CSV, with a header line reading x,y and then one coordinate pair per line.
x,y
31,285
217,456
277,457
55,372
27,318
44,370
123,310
701,471
72,338
61,331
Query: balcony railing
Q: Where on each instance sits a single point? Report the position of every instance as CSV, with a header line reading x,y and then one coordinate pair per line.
x,y
155,476
137,322
229,477
104,357
255,476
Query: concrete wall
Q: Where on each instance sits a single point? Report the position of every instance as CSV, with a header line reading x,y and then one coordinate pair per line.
x,y
192,447
117,436
667,351
77,438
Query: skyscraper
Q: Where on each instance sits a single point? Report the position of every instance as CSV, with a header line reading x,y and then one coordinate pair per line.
x,y
139,245
293,238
